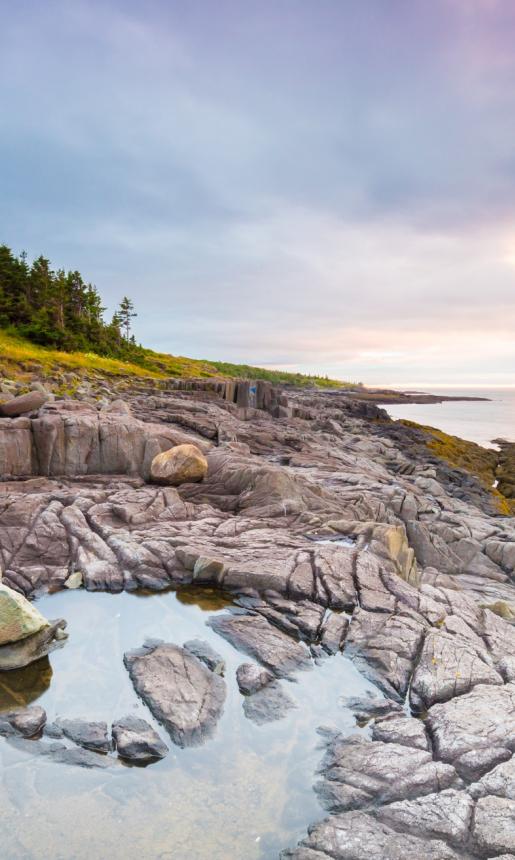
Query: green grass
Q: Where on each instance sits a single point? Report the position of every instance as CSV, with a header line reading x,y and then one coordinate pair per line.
x,y
19,358
247,371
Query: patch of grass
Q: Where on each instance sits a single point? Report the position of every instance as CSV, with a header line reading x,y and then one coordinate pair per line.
x,y
20,357
246,371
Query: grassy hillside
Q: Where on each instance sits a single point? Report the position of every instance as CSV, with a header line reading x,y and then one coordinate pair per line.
x,y
20,358
246,371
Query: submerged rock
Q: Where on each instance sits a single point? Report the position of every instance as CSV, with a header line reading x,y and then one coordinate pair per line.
x,y
61,754
136,740
252,678
206,654
179,690
268,704
26,722
90,735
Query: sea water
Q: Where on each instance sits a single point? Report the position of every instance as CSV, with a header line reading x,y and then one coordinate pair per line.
x,y
479,421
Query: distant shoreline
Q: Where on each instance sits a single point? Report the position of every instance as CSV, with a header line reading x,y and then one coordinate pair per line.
x,y
389,396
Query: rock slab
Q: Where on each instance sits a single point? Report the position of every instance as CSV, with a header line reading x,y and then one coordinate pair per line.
x,y
181,692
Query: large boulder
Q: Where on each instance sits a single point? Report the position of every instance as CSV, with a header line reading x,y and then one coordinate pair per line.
x,y
182,464
23,404
17,655
18,618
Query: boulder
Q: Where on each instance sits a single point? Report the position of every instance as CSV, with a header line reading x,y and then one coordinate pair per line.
x,y
478,720
18,618
136,740
17,655
252,678
182,464
448,666
26,722
443,815
23,404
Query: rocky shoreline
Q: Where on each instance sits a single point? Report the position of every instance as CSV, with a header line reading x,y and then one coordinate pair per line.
x,y
335,530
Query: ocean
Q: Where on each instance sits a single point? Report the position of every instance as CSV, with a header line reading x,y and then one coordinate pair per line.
x,y
478,421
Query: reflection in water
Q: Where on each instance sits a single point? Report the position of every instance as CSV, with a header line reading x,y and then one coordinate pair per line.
x,y
207,599
246,793
20,687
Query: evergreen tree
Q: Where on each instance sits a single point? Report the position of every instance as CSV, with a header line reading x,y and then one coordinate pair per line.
x,y
59,309
126,313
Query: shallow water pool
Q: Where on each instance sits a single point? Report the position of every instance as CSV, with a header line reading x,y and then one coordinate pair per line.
x,y
244,795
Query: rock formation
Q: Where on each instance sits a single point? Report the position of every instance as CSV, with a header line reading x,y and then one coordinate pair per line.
x,y
336,531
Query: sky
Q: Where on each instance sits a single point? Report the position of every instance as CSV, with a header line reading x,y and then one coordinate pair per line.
x,y
316,185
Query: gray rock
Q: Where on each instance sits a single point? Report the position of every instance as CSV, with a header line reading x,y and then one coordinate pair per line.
x,y
60,754
445,815
370,705
27,721
179,690
52,730
358,836
90,735
448,666
478,720
334,631
253,635
81,758
494,824
252,678
136,740
267,705
404,730
472,765
385,647
372,771
206,654
499,781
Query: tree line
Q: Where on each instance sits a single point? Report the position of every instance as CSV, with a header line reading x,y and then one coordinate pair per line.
x,y
59,309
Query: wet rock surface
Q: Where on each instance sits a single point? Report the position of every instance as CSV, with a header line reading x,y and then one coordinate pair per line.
x,y
253,635
136,740
90,735
268,704
336,532
178,688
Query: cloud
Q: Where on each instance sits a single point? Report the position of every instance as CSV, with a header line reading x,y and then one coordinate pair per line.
x,y
318,185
